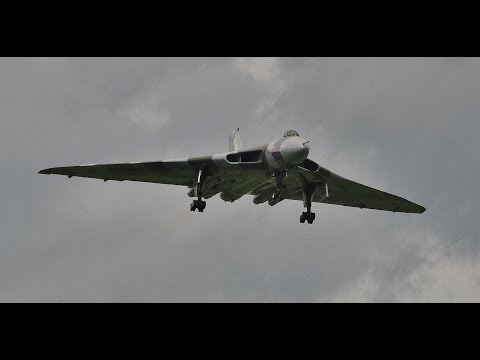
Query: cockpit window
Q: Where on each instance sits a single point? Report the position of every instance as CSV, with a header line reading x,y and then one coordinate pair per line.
x,y
291,133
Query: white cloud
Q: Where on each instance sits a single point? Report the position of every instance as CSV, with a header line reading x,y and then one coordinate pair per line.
x,y
146,112
267,73
436,276
446,279
362,290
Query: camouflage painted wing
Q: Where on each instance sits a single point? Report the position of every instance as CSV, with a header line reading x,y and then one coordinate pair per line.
x,y
236,181
176,172
342,191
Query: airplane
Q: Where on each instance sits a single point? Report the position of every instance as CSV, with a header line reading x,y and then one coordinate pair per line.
x,y
272,173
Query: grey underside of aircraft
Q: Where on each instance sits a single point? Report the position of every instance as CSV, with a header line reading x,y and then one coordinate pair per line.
x,y
250,171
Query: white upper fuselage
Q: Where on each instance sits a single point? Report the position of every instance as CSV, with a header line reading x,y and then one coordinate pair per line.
x,y
284,153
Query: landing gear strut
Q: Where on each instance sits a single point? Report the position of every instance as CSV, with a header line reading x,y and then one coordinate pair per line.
x,y
279,176
308,191
199,204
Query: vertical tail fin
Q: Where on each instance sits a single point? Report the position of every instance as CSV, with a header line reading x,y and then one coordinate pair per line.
x,y
235,143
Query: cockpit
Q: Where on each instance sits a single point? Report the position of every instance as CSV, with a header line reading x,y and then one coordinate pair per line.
x,y
291,133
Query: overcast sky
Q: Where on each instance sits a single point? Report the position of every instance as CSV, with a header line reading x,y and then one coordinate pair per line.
x,y
407,126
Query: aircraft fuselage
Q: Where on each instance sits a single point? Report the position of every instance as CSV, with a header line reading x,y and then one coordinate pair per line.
x,y
287,152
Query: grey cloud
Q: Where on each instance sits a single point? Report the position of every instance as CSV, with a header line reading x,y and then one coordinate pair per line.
x,y
409,126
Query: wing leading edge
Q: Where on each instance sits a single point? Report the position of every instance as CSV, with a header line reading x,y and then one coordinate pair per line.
x,y
235,181
178,172
341,191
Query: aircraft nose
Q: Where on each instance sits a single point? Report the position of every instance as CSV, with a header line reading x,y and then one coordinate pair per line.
x,y
295,151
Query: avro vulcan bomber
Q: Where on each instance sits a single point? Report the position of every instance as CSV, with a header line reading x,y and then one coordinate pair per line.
x,y
280,170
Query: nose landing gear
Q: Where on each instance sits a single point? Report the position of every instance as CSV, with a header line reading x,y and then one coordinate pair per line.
x,y
280,177
308,216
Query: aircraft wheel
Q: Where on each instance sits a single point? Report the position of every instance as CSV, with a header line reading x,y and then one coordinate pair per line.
x,y
193,205
308,217
311,218
198,205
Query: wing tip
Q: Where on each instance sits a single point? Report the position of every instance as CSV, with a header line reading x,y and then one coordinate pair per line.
x,y
417,209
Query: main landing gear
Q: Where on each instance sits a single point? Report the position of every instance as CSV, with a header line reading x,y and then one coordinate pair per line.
x,y
307,216
307,192
277,195
198,204
198,189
